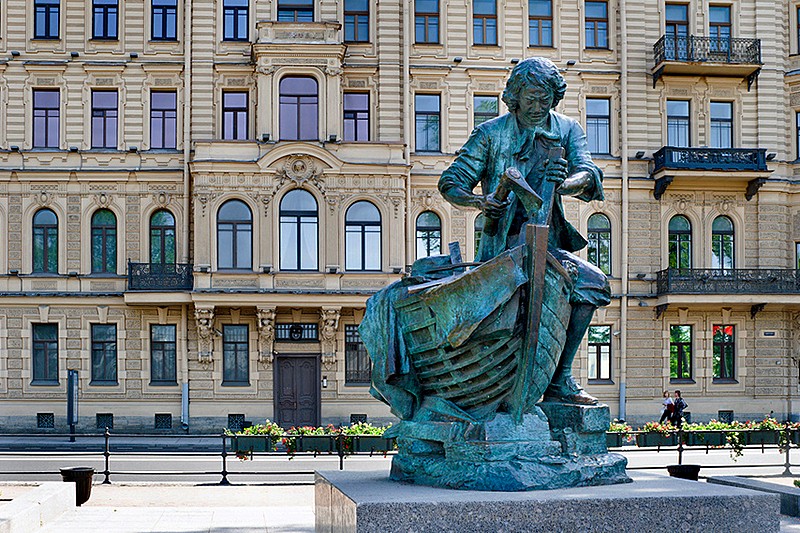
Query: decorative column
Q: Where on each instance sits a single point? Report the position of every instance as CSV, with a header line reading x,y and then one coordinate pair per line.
x,y
266,333
204,319
328,327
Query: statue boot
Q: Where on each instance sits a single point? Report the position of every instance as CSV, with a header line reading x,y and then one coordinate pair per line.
x,y
563,388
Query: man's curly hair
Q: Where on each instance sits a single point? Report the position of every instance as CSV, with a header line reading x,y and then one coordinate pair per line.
x,y
534,71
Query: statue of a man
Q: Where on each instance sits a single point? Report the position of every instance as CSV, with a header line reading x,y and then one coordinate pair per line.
x,y
522,139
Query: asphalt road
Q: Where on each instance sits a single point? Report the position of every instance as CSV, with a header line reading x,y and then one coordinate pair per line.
x,y
160,467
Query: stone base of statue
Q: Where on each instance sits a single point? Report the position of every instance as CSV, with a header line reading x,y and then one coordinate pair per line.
x,y
370,502
569,451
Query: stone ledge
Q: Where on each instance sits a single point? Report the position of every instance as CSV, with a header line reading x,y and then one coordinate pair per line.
x,y
790,496
37,507
370,502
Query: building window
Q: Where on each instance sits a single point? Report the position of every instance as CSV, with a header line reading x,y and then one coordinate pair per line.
x,y
797,29
235,236
235,15
598,125
678,126
299,231
299,109
45,241
46,19
680,352
797,132
427,119
484,22
104,354
163,355
600,353
426,21
45,354
722,248
162,238
297,332
721,125
104,119
46,112
45,421
104,242
165,20
356,21
677,31
478,231
164,119
724,352
104,19
429,234
485,108
797,255
362,237
719,27
356,116
236,422
162,421
234,115
235,355
599,250
296,11
104,421
596,24
680,242
540,22
358,367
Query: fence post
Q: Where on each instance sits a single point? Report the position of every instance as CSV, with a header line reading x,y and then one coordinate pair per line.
x,y
106,454
224,480
787,470
680,445
340,438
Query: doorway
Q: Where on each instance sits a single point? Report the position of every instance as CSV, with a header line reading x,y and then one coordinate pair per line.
x,y
297,393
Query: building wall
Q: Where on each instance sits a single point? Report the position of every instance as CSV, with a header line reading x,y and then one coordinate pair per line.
x,y
194,180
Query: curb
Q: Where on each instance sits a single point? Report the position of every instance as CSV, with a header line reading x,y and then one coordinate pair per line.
x,y
37,507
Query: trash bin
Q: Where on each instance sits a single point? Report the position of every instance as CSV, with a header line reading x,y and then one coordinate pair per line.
x,y
82,477
691,472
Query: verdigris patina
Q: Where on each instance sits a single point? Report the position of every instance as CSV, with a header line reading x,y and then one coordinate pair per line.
x,y
464,352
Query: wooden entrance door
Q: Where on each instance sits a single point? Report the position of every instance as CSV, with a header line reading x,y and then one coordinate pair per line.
x,y
297,395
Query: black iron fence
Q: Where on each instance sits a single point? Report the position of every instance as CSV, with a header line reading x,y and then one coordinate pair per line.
x,y
671,157
691,48
728,281
160,276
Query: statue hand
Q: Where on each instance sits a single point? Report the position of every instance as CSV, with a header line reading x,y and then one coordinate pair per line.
x,y
575,184
492,207
556,170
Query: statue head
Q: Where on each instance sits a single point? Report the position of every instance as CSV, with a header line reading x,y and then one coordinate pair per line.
x,y
538,74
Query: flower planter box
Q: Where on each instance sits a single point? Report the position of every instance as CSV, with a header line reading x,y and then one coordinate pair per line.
x,y
794,437
251,443
705,438
316,443
647,440
372,444
761,437
691,472
615,440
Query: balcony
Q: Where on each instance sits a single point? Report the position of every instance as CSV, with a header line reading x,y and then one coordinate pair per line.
x,y
707,56
727,281
748,165
160,277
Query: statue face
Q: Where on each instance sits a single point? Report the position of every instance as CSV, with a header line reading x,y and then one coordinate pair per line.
x,y
535,103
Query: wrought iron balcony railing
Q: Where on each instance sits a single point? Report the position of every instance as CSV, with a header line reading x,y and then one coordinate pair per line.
x,y
691,48
670,157
728,281
160,277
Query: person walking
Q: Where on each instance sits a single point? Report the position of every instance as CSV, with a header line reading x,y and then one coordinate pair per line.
x,y
679,407
669,408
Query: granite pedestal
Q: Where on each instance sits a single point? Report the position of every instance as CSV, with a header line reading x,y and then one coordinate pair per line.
x,y
370,502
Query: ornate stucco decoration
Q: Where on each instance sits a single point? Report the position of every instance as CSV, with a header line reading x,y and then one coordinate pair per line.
x,y
300,170
266,334
205,334
328,326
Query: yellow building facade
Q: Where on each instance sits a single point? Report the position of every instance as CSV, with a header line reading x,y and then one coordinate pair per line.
x,y
197,198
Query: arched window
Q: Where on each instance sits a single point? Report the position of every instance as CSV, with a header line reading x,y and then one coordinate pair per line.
x,y
600,242
362,227
680,242
104,241
235,236
429,234
299,221
299,109
162,238
722,243
45,241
